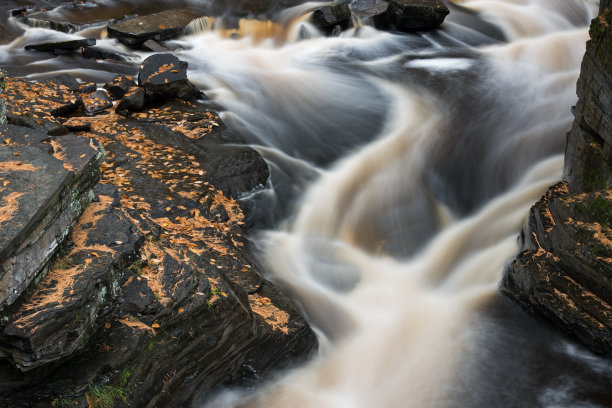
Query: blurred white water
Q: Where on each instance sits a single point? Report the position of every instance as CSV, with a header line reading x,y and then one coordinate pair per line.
x,y
411,327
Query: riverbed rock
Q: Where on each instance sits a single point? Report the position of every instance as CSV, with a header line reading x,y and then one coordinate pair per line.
x,y
132,101
103,54
164,77
41,195
328,17
401,15
564,270
159,27
119,86
61,47
2,102
154,298
96,102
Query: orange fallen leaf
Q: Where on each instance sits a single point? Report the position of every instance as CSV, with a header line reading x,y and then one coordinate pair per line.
x,y
107,325
155,326
181,310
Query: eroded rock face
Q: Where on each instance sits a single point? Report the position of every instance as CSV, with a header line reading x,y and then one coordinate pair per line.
x,y
564,271
44,188
154,298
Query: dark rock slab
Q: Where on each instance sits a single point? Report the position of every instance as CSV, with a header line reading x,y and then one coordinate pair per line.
x,y
190,291
59,316
119,86
132,101
364,9
96,102
564,271
76,125
41,197
62,46
35,104
329,17
67,80
103,54
402,15
152,45
159,27
87,88
164,76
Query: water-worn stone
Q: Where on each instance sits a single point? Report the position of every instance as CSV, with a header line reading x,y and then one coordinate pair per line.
x,y
102,53
119,86
164,76
96,102
564,270
159,27
132,101
62,47
328,17
412,15
401,15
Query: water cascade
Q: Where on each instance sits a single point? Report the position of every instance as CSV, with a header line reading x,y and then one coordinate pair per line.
x,y
402,169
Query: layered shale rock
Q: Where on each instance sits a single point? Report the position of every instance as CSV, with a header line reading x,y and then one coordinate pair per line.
x,y
154,298
45,185
564,271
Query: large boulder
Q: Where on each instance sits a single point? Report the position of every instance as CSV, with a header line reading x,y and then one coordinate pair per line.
x,y
328,17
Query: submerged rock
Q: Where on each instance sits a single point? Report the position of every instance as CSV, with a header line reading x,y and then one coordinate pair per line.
x,y
159,27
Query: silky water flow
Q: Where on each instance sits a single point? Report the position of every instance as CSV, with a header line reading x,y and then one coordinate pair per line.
x,y
402,169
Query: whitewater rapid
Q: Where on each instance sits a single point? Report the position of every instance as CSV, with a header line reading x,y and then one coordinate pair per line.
x,y
402,168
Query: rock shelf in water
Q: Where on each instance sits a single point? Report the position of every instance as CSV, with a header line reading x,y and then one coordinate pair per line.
x,y
154,297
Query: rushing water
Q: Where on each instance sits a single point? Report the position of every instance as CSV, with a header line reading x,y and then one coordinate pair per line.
x,y
403,167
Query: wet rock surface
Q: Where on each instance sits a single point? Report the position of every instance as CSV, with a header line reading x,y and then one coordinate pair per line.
x,y
564,271
154,298
159,27
401,15
43,190
61,47
164,76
